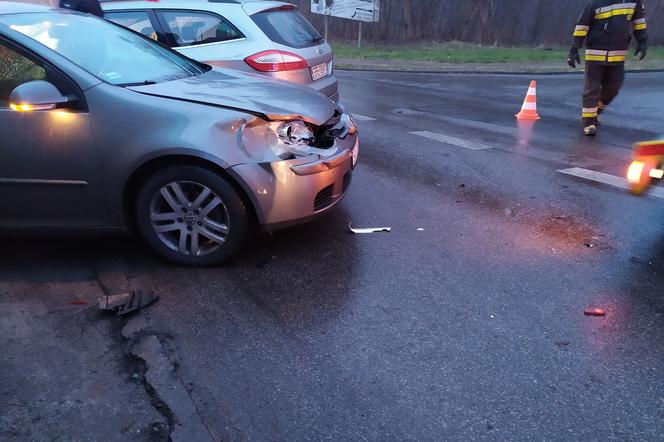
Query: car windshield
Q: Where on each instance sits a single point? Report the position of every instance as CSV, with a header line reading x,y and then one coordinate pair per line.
x,y
106,50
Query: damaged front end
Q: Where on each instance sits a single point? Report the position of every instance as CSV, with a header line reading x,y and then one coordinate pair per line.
x,y
288,139
302,168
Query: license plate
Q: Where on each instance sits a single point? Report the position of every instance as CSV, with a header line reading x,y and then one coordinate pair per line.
x,y
319,71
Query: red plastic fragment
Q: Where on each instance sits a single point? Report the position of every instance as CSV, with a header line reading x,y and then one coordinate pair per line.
x,y
78,302
594,312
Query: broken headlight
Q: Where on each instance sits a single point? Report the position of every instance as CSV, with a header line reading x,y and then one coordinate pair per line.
x,y
295,133
287,139
294,138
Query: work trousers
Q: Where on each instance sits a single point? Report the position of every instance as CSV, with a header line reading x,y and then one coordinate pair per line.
x,y
602,84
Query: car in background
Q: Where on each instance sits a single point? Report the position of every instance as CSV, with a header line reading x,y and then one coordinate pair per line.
x,y
103,127
269,37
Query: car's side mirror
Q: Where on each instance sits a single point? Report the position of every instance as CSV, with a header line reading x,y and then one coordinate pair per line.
x,y
36,95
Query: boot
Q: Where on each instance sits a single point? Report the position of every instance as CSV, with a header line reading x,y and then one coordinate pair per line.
x,y
590,130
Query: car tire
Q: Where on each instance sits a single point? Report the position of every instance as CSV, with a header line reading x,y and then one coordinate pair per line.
x,y
191,216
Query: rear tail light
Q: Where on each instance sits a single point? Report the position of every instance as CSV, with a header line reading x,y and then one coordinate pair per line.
x,y
635,171
276,61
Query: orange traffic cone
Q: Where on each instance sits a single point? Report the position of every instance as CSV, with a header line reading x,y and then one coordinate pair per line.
x,y
529,108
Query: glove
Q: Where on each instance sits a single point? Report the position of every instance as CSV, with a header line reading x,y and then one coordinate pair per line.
x,y
641,48
573,57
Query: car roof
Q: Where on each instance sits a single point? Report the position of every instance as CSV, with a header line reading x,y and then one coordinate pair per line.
x,y
196,2
18,8
252,5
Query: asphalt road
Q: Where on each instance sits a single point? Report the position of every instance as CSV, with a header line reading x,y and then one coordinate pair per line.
x,y
465,322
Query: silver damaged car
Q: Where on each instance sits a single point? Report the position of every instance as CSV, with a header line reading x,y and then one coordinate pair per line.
x,y
103,127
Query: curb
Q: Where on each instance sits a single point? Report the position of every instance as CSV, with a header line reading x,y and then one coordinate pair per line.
x,y
628,71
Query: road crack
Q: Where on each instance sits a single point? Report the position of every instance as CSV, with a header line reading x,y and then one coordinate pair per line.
x,y
148,360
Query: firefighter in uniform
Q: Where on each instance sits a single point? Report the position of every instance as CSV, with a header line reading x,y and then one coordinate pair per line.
x,y
607,27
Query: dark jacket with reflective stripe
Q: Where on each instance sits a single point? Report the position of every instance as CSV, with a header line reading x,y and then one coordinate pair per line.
x,y
607,26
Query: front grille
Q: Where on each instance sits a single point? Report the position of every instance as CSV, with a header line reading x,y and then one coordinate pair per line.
x,y
323,198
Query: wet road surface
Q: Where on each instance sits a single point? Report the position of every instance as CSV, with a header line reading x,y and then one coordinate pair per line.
x,y
466,320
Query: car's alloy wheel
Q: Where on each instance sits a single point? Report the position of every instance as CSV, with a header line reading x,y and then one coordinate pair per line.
x,y
189,218
191,215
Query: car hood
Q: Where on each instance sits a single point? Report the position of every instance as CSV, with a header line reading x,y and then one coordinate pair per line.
x,y
277,100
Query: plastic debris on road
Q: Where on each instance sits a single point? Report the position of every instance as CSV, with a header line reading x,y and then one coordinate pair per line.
x,y
594,312
127,302
369,229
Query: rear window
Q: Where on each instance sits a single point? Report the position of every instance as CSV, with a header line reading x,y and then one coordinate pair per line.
x,y
188,28
138,21
287,27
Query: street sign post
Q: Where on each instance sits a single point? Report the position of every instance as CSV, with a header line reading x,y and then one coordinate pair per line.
x,y
359,10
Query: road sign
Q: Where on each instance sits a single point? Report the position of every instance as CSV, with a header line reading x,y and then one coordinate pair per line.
x,y
361,10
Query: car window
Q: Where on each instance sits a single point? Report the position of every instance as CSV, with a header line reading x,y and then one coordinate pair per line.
x,y
15,70
193,28
105,50
138,21
287,27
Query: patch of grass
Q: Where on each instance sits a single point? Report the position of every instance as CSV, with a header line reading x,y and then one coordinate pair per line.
x,y
457,52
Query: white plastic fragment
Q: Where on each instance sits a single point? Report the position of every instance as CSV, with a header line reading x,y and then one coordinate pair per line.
x,y
113,301
368,230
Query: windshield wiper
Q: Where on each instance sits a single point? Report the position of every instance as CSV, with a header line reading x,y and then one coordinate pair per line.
x,y
139,83
317,39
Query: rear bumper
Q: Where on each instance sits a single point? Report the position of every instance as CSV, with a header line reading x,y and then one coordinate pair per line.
x,y
328,86
292,192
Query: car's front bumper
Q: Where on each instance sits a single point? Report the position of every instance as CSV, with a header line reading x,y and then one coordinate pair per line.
x,y
291,192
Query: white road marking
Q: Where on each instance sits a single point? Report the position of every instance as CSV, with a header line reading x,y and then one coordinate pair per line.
x,y
611,180
360,117
451,140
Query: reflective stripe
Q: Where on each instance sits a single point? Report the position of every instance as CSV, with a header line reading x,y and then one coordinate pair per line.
x,y
615,6
613,13
596,52
616,58
581,31
528,105
589,112
615,53
639,21
640,26
595,57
